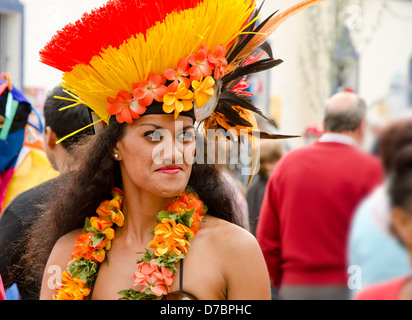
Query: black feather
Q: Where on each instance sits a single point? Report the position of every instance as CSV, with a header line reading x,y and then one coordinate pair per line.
x,y
258,66
232,115
266,47
243,41
239,100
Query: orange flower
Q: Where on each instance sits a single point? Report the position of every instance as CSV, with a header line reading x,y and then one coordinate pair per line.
x,y
71,289
179,98
81,249
180,74
125,107
203,91
100,224
219,61
84,248
100,254
201,66
109,234
170,237
117,194
110,210
178,205
152,89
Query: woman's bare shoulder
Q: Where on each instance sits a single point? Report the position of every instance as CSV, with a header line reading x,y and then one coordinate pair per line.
x,y
63,247
228,235
239,258
68,239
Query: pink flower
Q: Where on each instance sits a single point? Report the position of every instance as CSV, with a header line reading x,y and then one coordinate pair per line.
x,y
149,275
219,61
201,66
125,108
180,74
152,89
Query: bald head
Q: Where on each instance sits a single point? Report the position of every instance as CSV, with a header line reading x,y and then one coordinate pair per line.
x,y
344,112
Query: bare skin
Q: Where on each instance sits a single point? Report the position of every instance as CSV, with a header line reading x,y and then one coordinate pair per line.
x,y
224,261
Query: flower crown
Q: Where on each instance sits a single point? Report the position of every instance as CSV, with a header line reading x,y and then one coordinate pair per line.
x,y
187,55
191,82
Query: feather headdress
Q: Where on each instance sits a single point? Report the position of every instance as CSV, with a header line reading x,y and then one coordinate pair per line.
x,y
135,57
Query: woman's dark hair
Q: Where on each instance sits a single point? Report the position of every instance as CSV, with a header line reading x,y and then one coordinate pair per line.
x,y
393,138
400,187
66,121
77,194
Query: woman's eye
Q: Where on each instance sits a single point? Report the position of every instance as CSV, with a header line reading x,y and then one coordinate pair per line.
x,y
155,135
186,136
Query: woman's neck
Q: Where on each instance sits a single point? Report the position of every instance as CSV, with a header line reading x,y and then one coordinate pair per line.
x,y
140,209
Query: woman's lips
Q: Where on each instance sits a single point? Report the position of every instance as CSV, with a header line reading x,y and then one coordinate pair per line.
x,y
169,170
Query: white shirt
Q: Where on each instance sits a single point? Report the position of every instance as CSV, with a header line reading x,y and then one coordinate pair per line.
x,y
338,137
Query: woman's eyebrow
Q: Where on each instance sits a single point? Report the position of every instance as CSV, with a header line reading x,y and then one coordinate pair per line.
x,y
152,124
159,127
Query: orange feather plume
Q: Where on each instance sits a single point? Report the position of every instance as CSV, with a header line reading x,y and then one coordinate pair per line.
x,y
267,30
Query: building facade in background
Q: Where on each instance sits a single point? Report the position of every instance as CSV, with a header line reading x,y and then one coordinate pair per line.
x,y
12,40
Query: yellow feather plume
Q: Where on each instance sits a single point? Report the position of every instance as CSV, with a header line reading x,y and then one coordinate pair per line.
x,y
211,23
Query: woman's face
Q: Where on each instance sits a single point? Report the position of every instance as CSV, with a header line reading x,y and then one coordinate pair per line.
x,y
156,154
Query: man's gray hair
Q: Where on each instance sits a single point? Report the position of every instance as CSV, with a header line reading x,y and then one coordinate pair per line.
x,y
340,118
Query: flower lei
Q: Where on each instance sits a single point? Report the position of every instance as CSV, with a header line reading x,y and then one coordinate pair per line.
x,y
178,224
193,80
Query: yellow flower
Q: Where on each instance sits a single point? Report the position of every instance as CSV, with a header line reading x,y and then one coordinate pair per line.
x,y
100,224
203,91
71,289
179,98
170,237
110,210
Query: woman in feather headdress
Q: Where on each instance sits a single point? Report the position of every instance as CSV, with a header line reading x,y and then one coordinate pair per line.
x,y
152,71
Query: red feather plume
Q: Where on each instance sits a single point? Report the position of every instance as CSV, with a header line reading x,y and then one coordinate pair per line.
x,y
109,25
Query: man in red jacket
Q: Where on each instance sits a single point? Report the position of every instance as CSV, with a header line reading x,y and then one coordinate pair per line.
x,y
309,202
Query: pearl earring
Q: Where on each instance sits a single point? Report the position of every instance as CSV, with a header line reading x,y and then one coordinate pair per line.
x,y
116,156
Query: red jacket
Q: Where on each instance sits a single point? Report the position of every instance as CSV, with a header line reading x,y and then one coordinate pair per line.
x,y
306,211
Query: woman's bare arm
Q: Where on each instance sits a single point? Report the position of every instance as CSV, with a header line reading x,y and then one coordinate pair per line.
x,y
244,266
57,263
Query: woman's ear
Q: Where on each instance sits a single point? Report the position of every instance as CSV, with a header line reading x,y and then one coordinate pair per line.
x,y
116,154
50,138
402,224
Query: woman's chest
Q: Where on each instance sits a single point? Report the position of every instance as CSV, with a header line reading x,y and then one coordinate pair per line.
x,y
199,275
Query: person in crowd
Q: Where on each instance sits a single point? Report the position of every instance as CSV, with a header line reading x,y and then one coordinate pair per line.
x,y
400,196
312,134
12,132
309,201
20,214
372,245
270,153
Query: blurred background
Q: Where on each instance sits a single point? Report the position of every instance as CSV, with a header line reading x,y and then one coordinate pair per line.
x,y
357,45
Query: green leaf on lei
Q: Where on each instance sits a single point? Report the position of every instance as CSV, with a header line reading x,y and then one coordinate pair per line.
x,y
83,269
